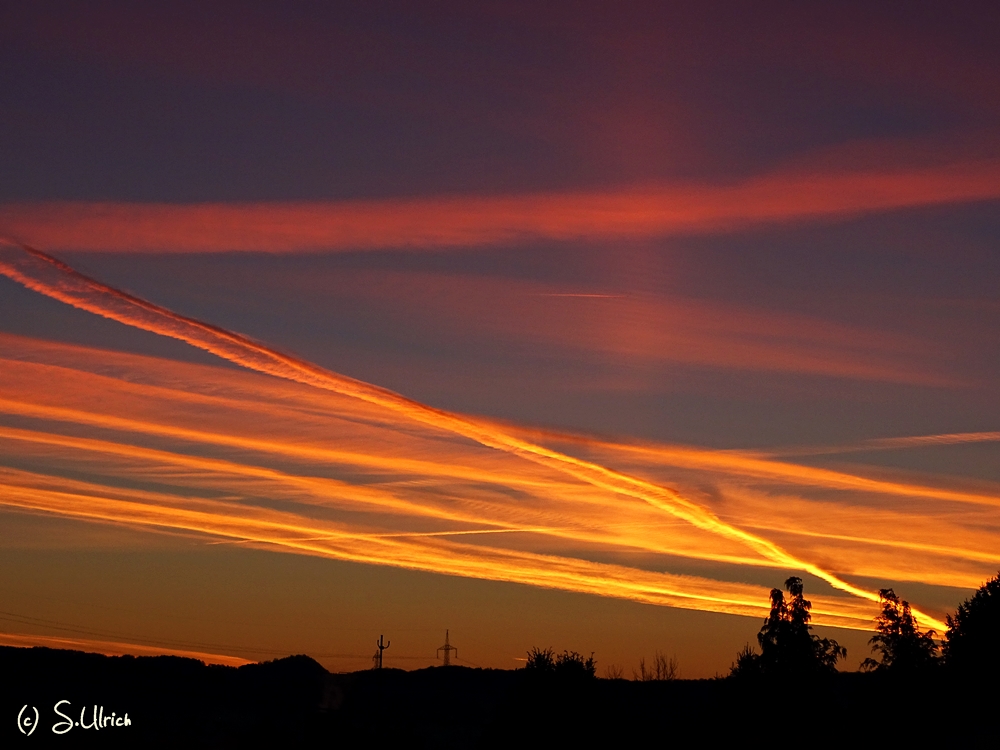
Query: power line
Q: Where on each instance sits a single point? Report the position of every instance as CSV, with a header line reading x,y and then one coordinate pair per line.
x,y
168,643
447,648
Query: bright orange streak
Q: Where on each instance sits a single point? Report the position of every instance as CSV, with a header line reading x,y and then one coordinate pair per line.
x,y
934,546
431,555
732,462
390,463
471,221
325,487
457,532
938,549
114,648
341,494
49,276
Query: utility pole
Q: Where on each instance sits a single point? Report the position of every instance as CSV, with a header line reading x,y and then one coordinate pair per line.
x,y
447,648
377,659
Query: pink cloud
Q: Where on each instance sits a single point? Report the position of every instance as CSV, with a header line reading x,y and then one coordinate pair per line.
x,y
470,221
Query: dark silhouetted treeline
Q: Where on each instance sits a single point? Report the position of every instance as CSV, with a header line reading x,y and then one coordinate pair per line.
x,y
784,691
294,702
790,652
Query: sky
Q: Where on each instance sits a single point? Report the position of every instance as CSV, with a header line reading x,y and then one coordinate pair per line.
x,y
571,325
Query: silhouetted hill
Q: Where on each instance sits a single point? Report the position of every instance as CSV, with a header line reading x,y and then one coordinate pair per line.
x,y
167,698
294,702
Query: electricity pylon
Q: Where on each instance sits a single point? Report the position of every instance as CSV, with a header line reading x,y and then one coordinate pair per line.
x,y
447,648
377,659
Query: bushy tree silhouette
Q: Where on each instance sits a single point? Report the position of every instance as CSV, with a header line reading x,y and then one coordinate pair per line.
x,y
787,647
747,663
901,647
573,665
541,660
973,638
569,664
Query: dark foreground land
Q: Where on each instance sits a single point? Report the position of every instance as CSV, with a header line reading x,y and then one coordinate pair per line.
x,y
294,702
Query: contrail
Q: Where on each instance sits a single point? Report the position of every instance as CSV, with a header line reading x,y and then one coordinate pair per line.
x,y
53,278
259,526
397,477
328,492
877,444
446,488
413,534
751,463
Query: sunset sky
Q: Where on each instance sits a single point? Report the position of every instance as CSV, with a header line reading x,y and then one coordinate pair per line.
x,y
577,325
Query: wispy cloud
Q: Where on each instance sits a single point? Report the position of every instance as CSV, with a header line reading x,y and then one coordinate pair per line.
x,y
884,444
639,329
472,221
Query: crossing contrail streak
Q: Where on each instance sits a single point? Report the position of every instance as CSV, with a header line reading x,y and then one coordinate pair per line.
x,y
290,532
331,492
255,440
762,466
49,276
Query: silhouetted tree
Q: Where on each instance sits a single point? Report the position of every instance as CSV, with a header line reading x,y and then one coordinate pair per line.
x,y
614,672
901,647
662,669
568,664
973,638
573,665
787,647
747,663
541,660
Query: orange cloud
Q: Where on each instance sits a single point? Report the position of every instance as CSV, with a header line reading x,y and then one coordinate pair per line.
x,y
467,221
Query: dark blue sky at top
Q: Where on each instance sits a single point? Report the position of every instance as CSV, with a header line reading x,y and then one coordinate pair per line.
x,y
182,102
